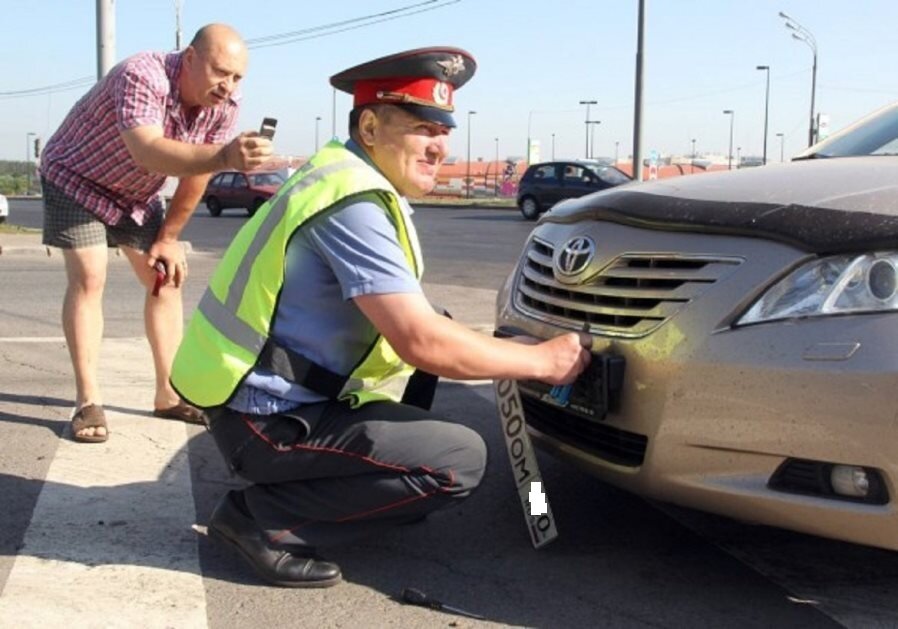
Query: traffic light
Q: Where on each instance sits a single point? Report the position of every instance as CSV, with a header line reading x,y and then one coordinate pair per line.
x,y
37,148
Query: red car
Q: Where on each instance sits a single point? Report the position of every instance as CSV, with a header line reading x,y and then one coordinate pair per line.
x,y
242,190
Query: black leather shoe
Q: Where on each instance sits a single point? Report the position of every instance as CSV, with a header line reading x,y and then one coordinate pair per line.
x,y
287,568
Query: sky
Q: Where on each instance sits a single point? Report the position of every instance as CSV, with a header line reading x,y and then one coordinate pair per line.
x,y
536,62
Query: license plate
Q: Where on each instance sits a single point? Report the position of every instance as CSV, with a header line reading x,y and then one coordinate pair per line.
x,y
595,392
524,467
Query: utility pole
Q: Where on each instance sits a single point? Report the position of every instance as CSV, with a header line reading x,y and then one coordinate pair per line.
x,y
105,37
177,24
637,109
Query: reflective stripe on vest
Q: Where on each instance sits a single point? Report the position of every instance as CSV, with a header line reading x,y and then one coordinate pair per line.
x,y
230,327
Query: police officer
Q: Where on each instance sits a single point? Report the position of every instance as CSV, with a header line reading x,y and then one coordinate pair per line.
x,y
302,347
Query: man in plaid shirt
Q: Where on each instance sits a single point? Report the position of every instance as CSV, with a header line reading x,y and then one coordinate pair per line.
x,y
153,115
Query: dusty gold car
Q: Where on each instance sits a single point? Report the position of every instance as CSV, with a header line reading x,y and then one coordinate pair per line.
x,y
744,336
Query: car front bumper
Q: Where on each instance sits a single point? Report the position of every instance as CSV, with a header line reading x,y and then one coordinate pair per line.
x,y
709,412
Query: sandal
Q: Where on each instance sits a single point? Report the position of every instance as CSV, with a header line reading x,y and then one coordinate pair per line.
x,y
90,416
182,411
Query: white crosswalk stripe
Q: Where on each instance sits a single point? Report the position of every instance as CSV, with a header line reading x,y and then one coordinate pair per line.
x,y
110,542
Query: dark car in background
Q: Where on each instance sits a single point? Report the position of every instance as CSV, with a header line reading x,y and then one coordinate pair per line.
x,y
744,354
235,189
543,185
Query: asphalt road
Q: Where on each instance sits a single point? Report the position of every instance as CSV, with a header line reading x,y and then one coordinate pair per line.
x,y
619,561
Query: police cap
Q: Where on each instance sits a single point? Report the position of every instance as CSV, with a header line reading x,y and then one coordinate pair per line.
x,y
422,81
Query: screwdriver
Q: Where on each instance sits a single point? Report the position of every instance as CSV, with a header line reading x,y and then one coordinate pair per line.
x,y
417,597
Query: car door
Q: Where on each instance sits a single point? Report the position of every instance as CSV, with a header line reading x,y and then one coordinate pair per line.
x,y
577,180
544,185
242,196
221,189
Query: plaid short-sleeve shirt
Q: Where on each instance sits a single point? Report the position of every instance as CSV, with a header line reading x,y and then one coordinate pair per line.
x,y
87,158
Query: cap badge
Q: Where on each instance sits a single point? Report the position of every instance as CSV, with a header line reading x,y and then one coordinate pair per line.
x,y
441,93
452,66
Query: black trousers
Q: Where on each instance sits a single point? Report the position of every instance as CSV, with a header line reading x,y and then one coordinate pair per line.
x,y
326,473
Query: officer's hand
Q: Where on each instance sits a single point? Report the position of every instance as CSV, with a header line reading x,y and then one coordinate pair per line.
x,y
247,151
565,357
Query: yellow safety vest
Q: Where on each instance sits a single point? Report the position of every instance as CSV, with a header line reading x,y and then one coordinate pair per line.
x,y
231,326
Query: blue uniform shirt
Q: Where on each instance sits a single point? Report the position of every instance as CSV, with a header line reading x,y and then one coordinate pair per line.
x,y
343,253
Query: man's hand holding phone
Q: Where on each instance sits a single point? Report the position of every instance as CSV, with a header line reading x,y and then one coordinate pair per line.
x,y
250,149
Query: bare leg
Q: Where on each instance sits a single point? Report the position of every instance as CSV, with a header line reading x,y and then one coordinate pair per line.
x,y
164,322
82,321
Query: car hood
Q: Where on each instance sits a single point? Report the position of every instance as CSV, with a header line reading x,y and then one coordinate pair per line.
x,y
821,205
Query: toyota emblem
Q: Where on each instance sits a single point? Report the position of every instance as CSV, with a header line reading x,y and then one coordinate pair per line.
x,y
575,255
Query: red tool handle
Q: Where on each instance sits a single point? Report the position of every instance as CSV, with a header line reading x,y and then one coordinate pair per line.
x,y
160,277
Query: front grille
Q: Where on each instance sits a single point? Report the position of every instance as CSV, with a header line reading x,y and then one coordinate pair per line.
x,y
605,442
630,296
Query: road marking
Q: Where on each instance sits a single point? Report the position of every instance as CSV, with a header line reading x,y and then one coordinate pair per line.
x,y
32,339
110,543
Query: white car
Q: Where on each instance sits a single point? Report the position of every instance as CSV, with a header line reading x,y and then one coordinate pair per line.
x,y
4,208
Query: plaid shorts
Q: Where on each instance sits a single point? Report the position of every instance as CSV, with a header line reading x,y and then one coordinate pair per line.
x,y
69,225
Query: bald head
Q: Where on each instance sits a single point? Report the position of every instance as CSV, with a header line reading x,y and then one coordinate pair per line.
x,y
214,63
213,36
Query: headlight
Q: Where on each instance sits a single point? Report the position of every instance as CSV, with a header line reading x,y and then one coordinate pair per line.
x,y
833,285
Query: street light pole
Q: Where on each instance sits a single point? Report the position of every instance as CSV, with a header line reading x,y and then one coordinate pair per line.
x,y
317,120
334,116
693,148
738,157
616,152
588,103
732,115
28,137
800,33
592,137
780,136
468,165
553,147
766,108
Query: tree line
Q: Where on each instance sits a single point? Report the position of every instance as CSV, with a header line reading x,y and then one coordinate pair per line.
x,y
15,177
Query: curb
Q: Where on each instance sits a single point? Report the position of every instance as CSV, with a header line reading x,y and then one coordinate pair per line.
x,y
46,250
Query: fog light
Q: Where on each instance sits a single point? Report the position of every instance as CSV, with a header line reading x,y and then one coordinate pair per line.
x,y
850,480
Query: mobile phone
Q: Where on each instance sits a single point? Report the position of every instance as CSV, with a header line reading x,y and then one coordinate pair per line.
x,y
268,127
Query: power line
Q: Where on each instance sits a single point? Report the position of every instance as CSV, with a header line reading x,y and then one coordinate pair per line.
x,y
331,29
267,41
313,29
49,89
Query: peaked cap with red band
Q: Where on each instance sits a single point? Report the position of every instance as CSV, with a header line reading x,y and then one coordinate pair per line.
x,y
421,81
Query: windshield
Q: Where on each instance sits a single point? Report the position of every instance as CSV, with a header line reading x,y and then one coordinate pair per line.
x,y
610,175
876,134
267,179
